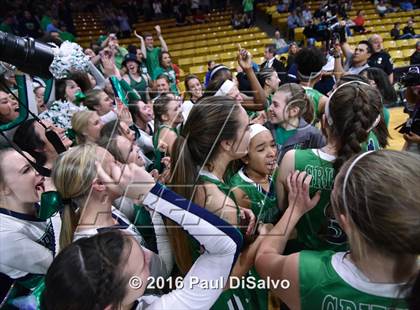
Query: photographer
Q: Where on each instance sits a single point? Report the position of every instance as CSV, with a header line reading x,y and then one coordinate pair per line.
x,y
355,62
411,129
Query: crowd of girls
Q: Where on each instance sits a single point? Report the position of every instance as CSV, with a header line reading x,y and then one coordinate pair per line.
x,y
112,187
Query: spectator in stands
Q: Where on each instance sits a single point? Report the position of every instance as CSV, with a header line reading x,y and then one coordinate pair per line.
x,y
210,66
293,22
124,26
166,68
157,9
396,31
359,22
355,62
271,60
65,35
132,49
28,25
162,85
306,14
248,6
8,25
409,30
281,45
380,58
150,52
382,8
52,26
236,21
118,52
415,57
406,5
293,49
310,32
134,76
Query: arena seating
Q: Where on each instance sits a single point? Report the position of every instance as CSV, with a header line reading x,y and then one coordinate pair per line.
x,y
191,46
400,50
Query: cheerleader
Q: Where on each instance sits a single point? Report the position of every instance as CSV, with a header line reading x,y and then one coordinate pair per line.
x,y
28,244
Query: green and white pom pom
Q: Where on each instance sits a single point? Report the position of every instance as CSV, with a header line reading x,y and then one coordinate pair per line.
x,y
69,57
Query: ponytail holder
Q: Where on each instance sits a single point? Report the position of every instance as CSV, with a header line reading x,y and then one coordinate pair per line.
x,y
51,203
79,97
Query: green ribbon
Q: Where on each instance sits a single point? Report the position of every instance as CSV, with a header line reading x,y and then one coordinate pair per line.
x,y
79,97
51,203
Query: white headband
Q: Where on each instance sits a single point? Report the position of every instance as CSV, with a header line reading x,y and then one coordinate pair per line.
x,y
348,175
256,129
327,106
225,88
216,69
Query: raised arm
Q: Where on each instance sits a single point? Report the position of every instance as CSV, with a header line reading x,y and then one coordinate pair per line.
x,y
270,262
142,45
163,45
257,103
221,241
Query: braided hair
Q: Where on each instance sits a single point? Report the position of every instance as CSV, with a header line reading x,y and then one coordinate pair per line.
x,y
352,111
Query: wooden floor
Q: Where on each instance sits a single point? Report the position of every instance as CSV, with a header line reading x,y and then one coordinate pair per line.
x,y
397,118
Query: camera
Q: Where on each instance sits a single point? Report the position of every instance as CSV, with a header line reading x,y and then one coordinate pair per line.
x,y
411,78
26,54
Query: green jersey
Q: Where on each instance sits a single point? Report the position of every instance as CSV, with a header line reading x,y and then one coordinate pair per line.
x,y
315,96
140,87
263,204
238,298
317,229
170,74
387,116
152,60
330,281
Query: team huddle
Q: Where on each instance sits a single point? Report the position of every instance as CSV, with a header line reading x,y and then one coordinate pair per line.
x,y
250,193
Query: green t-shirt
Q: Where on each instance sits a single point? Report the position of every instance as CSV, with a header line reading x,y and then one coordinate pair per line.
x,y
45,21
327,283
282,135
170,74
152,60
263,204
6,28
67,36
317,229
248,5
119,56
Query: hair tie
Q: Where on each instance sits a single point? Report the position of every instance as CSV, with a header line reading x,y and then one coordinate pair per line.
x,y
79,97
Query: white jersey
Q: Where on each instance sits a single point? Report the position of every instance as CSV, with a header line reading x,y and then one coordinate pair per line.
x,y
158,267
27,243
221,243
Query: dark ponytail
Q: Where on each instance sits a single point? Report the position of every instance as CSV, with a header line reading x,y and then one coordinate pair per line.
x,y
353,109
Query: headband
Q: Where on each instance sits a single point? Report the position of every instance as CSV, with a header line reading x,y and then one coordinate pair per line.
x,y
348,175
216,69
256,129
225,88
327,106
308,77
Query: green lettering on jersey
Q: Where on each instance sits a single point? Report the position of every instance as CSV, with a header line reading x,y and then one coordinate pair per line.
x,y
322,177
